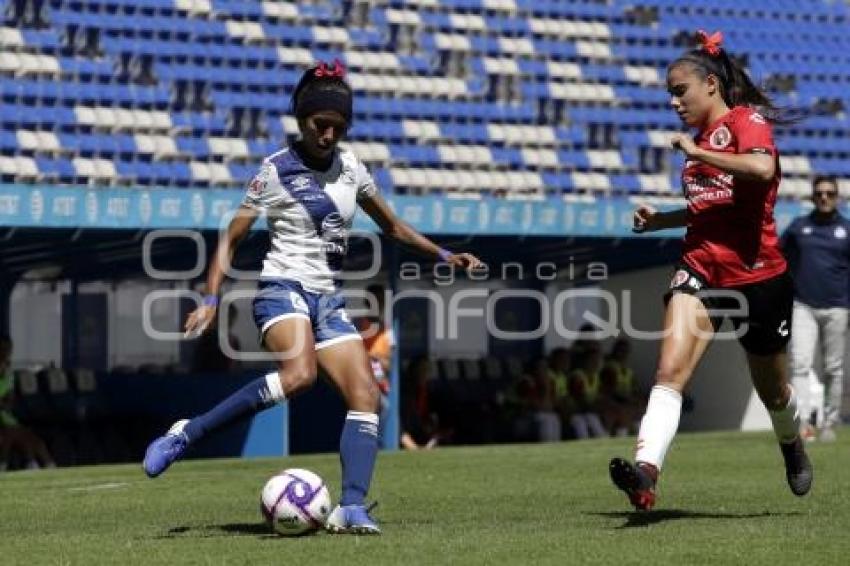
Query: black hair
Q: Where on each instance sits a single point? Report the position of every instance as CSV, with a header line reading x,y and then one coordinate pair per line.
x,y
322,88
736,86
832,179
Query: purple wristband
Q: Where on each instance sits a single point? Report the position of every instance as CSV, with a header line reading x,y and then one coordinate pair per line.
x,y
444,254
210,301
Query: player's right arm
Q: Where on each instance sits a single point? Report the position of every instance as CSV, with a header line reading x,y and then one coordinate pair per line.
x,y
648,219
199,319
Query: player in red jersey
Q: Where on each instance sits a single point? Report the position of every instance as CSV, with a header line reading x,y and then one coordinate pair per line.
x,y
731,259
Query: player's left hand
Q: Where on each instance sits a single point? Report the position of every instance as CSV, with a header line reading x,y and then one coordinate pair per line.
x,y
465,260
685,144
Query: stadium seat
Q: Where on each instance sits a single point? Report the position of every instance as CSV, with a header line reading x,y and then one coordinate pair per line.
x,y
505,84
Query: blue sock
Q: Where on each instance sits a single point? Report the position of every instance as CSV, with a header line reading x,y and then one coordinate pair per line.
x,y
260,394
358,449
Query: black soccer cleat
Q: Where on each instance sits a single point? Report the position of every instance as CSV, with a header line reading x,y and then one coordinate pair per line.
x,y
637,481
798,467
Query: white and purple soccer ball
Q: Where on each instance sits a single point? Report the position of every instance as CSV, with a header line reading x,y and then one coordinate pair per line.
x,y
295,502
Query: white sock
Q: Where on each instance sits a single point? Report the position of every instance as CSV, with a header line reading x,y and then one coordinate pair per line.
x,y
275,388
802,394
659,425
786,422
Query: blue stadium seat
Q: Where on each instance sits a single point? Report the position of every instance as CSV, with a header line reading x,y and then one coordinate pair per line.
x,y
200,55
58,168
8,141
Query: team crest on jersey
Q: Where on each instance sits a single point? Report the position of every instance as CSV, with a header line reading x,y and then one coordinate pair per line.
x,y
682,277
840,233
260,180
757,118
720,138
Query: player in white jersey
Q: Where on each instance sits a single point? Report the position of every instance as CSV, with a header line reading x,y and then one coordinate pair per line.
x,y
309,193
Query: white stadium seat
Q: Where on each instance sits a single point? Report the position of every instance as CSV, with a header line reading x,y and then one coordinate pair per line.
x,y
26,168
467,22
604,159
11,37
194,7
795,164
295,56
655,183
251,32
405,17
330,35
280,10
594,49
200,171
515,46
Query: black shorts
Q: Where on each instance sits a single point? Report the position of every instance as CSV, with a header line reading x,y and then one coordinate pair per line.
x,y
768,306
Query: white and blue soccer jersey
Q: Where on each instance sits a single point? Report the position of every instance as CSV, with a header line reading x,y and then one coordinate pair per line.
x,y
309,215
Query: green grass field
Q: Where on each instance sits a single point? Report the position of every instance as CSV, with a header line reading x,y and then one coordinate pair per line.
x,y
723,500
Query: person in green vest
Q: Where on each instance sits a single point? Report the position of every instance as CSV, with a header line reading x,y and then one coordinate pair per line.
x,y
16,439
535,391
559,376
620,396
584,382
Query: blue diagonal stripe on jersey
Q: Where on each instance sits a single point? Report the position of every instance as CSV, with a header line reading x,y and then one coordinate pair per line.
x,y
298,181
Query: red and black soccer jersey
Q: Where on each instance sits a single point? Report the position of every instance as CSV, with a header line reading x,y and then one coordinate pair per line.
x,y
731,234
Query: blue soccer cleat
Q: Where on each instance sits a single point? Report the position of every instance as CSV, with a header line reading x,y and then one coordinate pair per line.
x,y
163,451
351,519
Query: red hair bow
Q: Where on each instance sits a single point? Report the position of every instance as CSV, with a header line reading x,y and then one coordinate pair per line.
x,y
710,43
338,69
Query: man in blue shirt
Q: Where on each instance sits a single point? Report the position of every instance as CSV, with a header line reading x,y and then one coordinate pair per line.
x,y
818,250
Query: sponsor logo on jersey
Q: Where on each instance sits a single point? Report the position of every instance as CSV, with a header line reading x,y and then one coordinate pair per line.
x,y
757,118
300,183
720,137
333,234
807,230
332,225
840,233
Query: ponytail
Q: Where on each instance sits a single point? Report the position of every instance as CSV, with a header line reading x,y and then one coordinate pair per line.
x,y
736,86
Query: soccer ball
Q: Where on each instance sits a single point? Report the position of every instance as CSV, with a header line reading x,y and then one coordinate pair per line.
x,y
295,502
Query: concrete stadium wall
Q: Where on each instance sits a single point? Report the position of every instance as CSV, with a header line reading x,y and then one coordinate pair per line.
x,y
724,397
